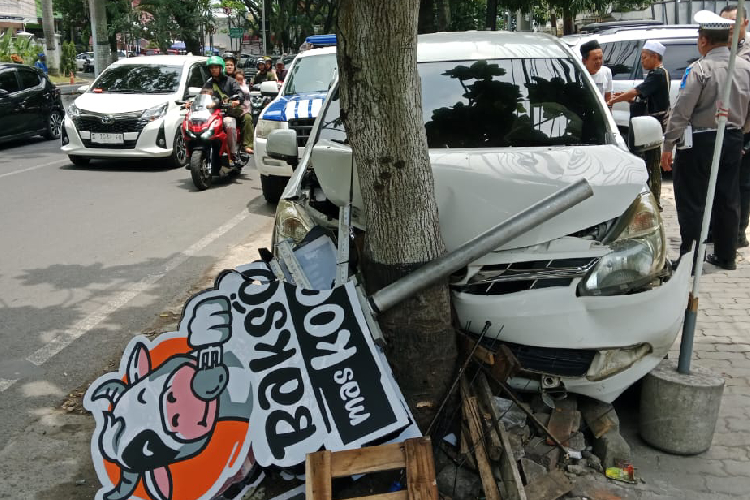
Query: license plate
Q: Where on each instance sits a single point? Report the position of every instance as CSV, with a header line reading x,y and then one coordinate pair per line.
x,y
107,138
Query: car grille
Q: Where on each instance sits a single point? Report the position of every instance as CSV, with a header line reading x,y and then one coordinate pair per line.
x,y
553,361
303,127
519,276
117,124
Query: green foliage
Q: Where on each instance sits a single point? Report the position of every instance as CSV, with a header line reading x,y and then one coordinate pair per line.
x,y
75,17
68,59
467,15
24,47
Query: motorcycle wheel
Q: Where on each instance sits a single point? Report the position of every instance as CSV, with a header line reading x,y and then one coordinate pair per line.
x,y
200,170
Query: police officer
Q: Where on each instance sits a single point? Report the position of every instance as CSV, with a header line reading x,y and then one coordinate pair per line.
x,y
693,119
730,12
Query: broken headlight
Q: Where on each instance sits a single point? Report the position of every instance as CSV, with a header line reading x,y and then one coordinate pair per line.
x,y
291,222
638,252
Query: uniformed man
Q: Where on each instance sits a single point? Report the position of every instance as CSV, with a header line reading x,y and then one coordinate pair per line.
x,y
650,98
730,12
693,119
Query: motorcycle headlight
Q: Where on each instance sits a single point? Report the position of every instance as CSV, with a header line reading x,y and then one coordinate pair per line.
x,y
265,127
291,222
73,111
638,252
154,113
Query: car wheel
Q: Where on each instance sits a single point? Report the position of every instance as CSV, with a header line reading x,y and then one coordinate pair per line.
x,y
272,187
179,151
54,125
79,160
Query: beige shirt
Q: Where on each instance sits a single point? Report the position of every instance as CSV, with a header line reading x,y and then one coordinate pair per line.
x,y
696,104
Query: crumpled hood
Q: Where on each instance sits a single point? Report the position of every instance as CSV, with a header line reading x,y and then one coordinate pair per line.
x,y
477,189
285,108
120,103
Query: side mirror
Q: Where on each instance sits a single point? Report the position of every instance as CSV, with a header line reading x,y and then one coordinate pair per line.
x,y
269,88
647,133
282,145
83,89
193,91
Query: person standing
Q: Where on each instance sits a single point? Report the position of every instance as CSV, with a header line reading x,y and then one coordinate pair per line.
x,y
650,98
694,115
593,59
41,62
743,51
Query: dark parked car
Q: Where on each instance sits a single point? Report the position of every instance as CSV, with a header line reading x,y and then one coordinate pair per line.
x,y
30,103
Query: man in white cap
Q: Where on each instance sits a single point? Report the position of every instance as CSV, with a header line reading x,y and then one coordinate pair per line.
x,y
650,98
695,113
730,12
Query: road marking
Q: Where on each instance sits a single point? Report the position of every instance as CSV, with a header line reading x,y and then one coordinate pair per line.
x,y
5,383
33,168
63,340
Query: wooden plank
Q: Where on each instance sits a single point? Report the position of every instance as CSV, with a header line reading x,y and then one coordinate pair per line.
x,y
470,410
318,475
549,487
482,390
371,459
420,469
466,344
465,449
396,495
508,468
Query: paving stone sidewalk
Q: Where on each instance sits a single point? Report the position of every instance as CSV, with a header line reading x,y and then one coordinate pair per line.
x,y
722,344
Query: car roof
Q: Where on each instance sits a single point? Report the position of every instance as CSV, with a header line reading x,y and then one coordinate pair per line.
x,y
160,60
458,46
6,65
639,33
317,51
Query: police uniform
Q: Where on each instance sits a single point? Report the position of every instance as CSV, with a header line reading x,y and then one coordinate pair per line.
x,y
696,106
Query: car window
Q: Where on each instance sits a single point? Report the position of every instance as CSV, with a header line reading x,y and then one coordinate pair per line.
x,y
8,81
139,79
311,74
621,58
509,103
196,78
678,57
499,103
29,79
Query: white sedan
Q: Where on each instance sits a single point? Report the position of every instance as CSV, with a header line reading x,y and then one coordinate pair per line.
x,y
131,110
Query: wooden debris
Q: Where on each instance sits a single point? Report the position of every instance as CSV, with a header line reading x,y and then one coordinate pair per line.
x,y
414,455
502,363
470,410
549,487
466,452
563,424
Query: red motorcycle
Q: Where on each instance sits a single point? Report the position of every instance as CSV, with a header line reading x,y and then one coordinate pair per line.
x,y
206,141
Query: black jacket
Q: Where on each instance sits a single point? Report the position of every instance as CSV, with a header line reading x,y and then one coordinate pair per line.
x,y
228,86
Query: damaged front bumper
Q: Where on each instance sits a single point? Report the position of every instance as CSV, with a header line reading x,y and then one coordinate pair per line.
x,y
595,346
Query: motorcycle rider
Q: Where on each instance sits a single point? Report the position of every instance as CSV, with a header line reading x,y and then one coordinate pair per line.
x,y
280,71
224,87
263,75
248,131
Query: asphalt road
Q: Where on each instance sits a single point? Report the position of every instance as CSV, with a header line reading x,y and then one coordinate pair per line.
x,y
91,256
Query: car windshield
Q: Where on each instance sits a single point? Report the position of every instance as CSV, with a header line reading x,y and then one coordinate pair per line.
x,y
501,103
311,74
139,79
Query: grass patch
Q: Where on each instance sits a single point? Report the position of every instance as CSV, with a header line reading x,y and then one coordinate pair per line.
x,y
65,80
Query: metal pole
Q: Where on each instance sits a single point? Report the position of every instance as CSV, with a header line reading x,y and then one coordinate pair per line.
x,y
691,313
263,23
490,240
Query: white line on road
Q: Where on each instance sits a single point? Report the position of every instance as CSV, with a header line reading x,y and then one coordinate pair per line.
x,y
67,337
33,168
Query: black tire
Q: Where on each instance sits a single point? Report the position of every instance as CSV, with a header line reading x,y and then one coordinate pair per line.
x,y
81,161
179,156
200,170
272,187
54,125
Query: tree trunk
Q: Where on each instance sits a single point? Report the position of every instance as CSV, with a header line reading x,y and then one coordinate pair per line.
x,y
426,23
553,22
99,34
443,14
568,27
491,17
381,101
48,25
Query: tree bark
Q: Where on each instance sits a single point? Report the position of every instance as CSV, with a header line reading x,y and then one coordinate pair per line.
x,y
381,101
491,17
99,34
48,25
443,14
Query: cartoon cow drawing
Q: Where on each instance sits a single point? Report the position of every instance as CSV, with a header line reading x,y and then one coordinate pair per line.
x,y
165,414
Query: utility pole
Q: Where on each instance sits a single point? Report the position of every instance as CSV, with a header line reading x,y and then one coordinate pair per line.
x,y
48,25
98,13
263,23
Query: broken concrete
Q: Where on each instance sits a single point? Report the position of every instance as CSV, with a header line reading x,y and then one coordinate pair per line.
x,y
611,448
599,417
532,471
578,470
577,442
549,487
592,461
540,452
459,482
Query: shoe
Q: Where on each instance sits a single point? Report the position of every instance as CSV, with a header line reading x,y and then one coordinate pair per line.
x,y
742,241
225,170
729,265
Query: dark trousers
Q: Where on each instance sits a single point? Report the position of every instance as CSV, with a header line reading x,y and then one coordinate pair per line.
x,y
745,189
692,169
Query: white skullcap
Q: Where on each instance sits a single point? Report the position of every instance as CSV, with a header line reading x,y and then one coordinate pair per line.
x,y
654,46
710,21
